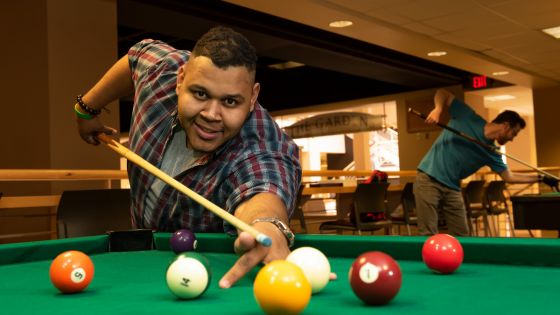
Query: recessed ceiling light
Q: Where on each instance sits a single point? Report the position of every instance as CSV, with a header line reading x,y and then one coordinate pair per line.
x,y
497,73
553,31
497,98
437,53
341,23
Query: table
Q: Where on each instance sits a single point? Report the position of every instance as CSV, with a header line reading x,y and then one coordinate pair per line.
x,y
342,189
536,211
344,199
499,275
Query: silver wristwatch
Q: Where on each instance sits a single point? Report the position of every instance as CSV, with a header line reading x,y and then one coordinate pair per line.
x,y
283,227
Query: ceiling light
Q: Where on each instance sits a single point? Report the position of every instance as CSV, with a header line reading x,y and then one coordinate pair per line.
x,y
498,73
497,98
437,53
553,31
341,23
286,65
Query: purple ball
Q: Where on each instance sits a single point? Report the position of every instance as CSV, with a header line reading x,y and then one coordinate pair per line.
x,y
182,240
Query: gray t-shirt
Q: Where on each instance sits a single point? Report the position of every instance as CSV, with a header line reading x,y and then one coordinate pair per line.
x,y
177,158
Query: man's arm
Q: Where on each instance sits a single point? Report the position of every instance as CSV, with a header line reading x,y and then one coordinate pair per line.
x,y
263,205
512,177
442,100
116,82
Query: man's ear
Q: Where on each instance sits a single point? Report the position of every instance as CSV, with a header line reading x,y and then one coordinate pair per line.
x,y
180,77
255,95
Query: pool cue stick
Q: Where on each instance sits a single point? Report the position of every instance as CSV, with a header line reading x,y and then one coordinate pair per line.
x,y
482,144
136,159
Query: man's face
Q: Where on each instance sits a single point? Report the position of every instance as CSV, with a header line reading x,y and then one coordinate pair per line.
x,y
213,102
508,133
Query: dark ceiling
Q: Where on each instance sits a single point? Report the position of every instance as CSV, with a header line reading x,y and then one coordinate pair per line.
x,y
336,68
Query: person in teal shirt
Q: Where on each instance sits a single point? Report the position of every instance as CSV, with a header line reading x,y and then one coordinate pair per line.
x,y
451,158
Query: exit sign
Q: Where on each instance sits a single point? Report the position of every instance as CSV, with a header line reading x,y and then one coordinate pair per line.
x,y
479,82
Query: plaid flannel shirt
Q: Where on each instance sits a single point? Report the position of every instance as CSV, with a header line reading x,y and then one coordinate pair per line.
x,y
261,158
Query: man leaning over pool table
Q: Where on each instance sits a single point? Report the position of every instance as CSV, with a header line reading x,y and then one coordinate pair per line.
x,y
197,118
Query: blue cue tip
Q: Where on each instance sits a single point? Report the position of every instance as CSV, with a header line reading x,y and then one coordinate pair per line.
x,y
264,240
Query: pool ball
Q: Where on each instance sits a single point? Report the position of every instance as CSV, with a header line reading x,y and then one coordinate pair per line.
x,y
375,277
442,253
183,240
188,276
314,265
71,271
281,287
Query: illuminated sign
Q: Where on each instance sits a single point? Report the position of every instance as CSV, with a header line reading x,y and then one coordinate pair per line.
x,y
479,82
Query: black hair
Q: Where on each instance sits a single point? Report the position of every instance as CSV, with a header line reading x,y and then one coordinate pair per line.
x,y
226,47
511,117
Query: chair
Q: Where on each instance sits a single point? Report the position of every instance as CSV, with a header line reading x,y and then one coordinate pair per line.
x,y
408,203
93,212
298,211
473,196
369,203
496,204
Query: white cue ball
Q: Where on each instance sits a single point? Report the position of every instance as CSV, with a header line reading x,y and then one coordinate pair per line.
x,y
187,277
314,264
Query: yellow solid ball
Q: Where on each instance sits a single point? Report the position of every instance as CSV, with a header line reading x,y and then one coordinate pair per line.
x,y
282,288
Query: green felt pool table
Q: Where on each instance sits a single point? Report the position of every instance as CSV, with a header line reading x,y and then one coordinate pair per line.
x,y
511,276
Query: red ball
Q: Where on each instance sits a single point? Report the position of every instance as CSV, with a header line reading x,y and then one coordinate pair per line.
x,y
375,278
442,253
71,271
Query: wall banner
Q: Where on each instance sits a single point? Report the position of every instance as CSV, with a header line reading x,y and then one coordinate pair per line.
x,y
335,123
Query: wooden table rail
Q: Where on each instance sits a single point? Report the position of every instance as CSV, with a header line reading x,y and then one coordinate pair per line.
x,y
359,173
7,202
60,175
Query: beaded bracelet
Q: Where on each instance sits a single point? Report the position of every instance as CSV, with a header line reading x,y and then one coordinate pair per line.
x,y
87,109
80,114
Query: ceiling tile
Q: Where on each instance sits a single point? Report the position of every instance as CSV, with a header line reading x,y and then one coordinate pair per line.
x,y
487,32
463,20
539,58
462,42
422,29
427,9
519,8
388,16
539,21
505,57
360,5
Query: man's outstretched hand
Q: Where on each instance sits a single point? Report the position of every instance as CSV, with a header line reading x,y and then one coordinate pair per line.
x,y
551,181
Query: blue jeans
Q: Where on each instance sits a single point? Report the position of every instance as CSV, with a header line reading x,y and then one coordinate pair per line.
x,y
433,198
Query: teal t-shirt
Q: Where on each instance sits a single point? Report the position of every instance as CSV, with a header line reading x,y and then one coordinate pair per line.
x,y
452,157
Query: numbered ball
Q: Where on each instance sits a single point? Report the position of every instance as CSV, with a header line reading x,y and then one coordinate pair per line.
x,y
442,253
183,240
314,265
71,271
282,288
188,276
375,278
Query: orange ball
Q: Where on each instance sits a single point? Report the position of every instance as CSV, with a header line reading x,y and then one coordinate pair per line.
x,y
71,271
282,288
